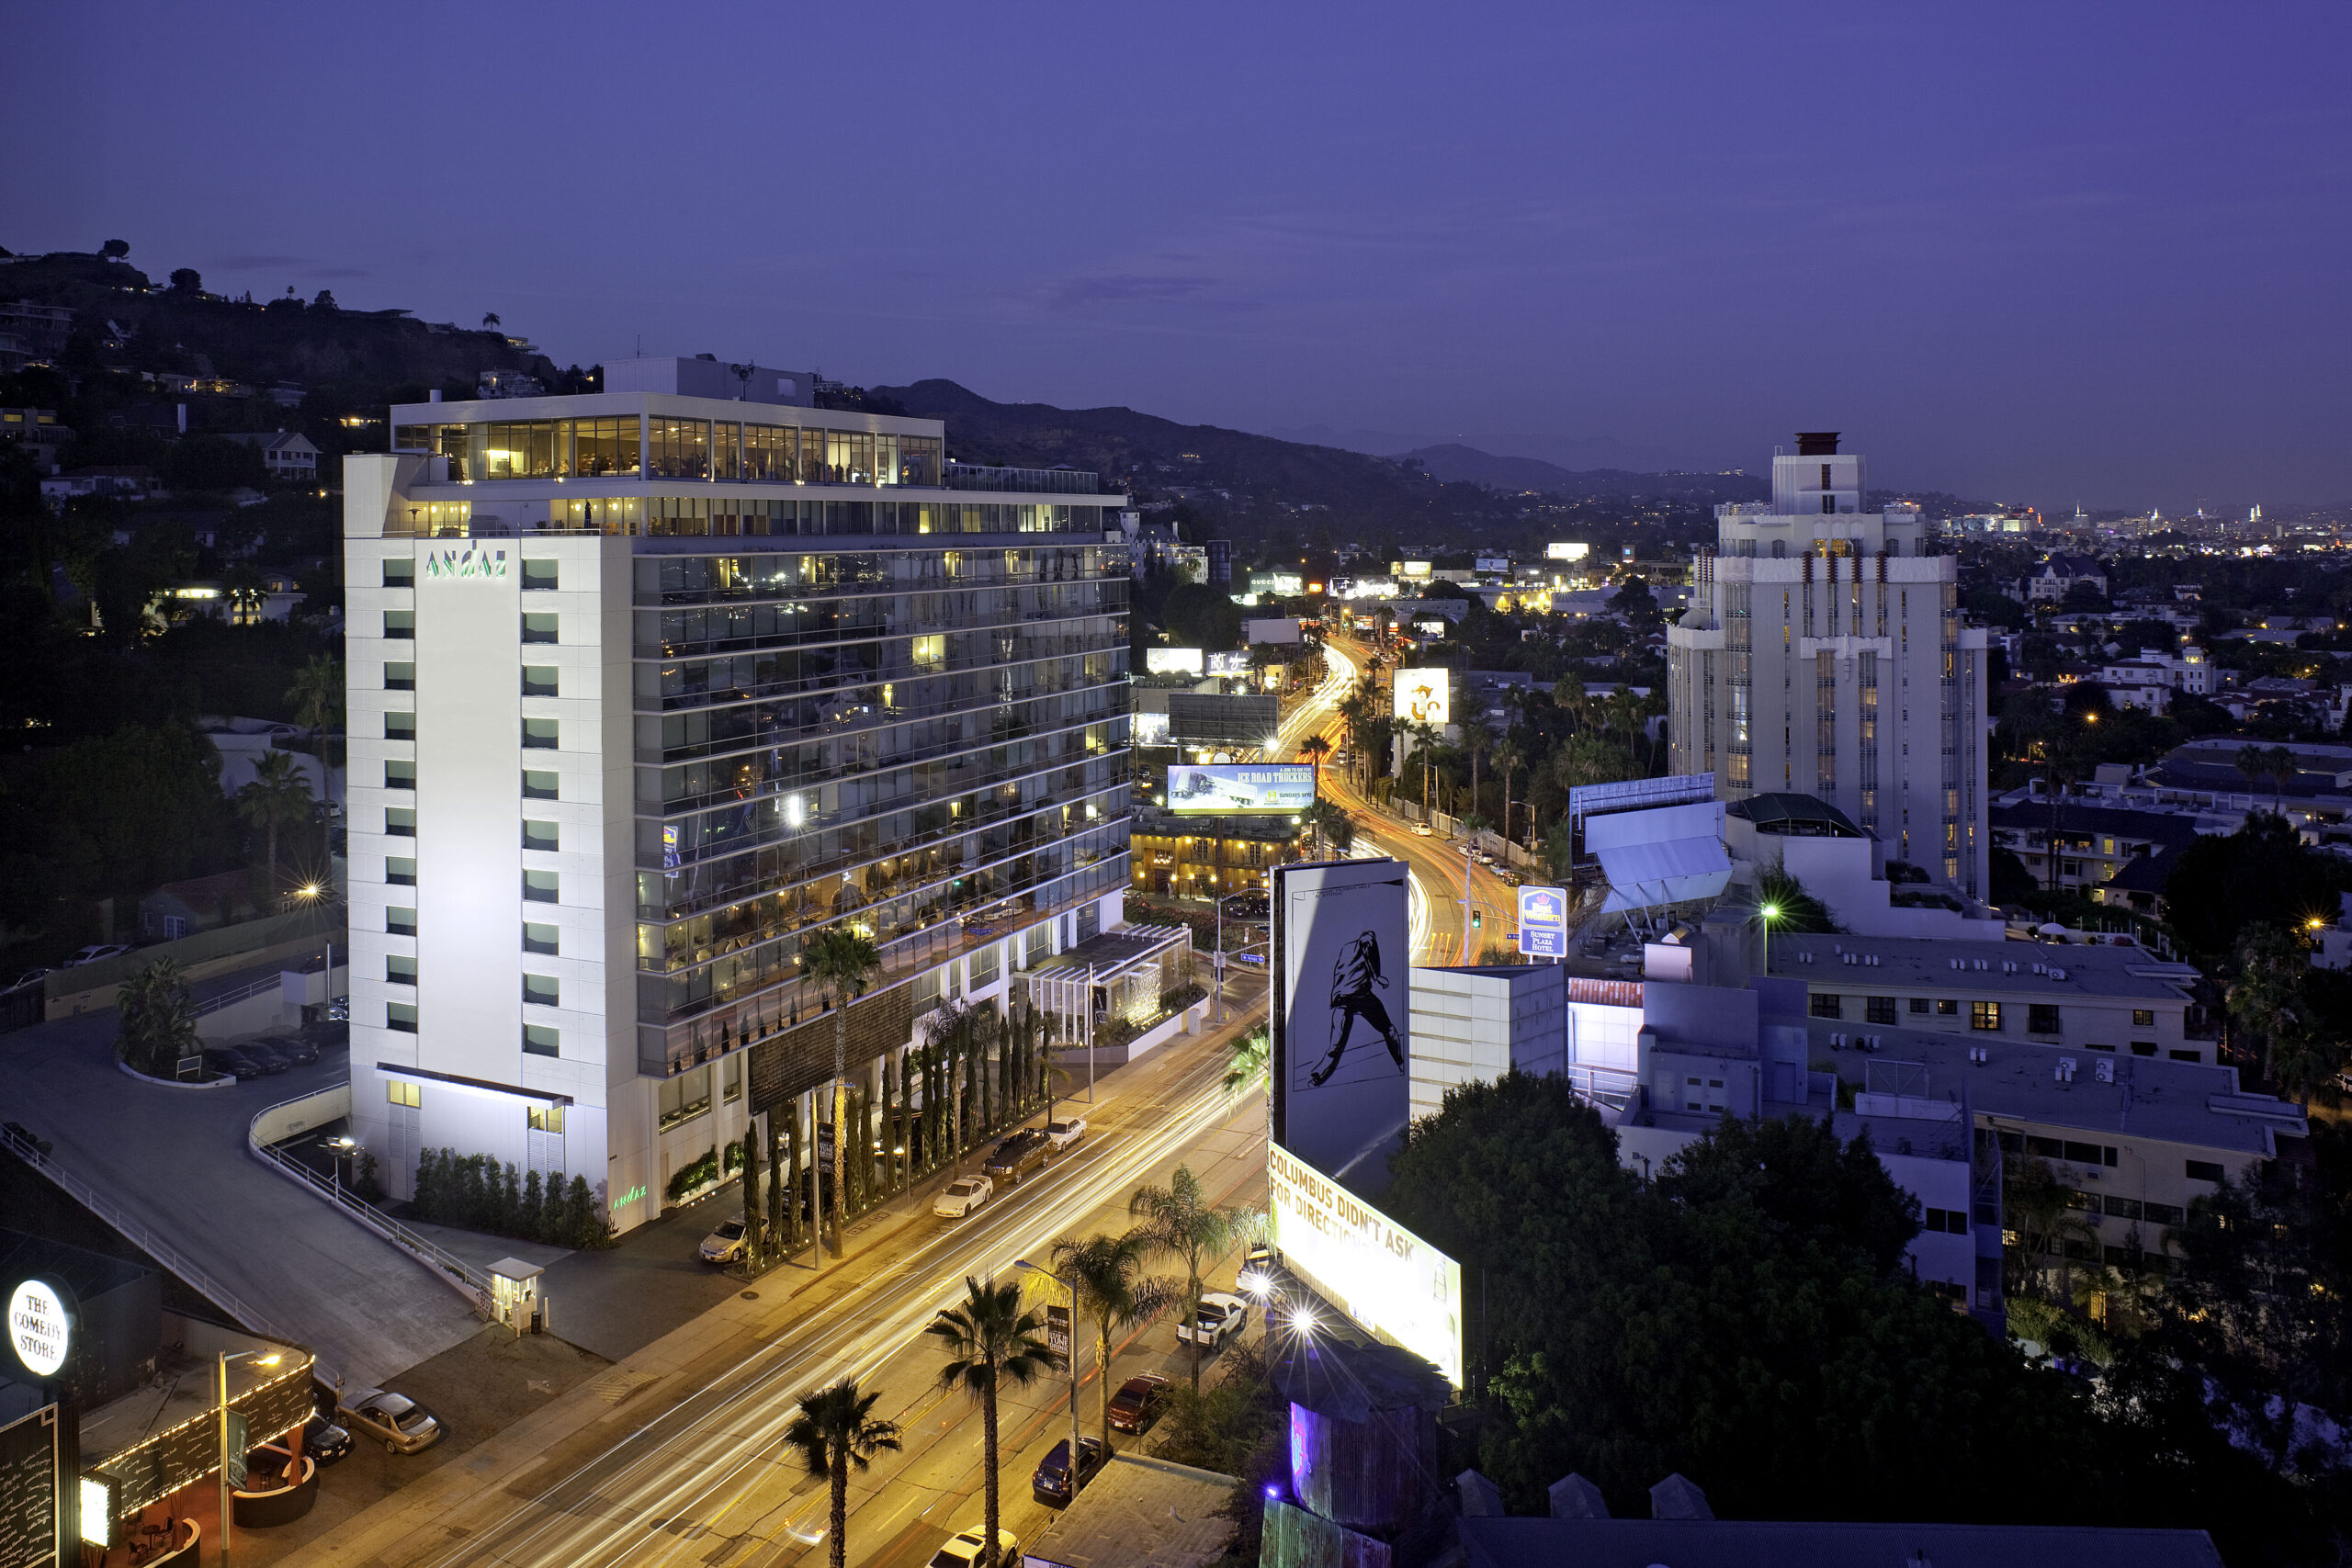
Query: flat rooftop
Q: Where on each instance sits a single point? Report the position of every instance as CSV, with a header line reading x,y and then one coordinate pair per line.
x,y
1756,1543
2181,1103
1141,1513
1923,964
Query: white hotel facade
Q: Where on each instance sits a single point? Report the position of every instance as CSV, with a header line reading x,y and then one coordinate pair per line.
x,y
645,686
1823,654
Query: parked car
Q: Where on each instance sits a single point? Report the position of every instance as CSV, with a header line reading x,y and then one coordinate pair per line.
x,y
400,1423
1017,1155
1421,829
322,1440
31,977
1222,1315
963,1549
1139,1402
97,951
328,1034
273,1060
301,1049
236,1063
1052,1484
724,1244
964,1195
1066,1134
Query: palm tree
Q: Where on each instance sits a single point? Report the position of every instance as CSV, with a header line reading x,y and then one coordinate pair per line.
x,y
2280,763
1315,749
491,319
834,1430
1423,736
317,696
843,963
1331,825
278,797
2253,761
1509,759
1476,739
988,1340
1248,1057
1179,1222
1105,1275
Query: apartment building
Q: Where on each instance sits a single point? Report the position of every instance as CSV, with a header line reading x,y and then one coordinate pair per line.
x,y
1823,653
2120,999
648,686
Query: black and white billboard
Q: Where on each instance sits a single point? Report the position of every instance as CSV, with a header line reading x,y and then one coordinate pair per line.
x,y
1341,1014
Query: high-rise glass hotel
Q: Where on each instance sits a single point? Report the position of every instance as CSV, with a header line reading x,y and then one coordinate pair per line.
x,y
648,686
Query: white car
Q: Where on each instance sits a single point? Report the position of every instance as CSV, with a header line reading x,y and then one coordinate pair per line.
x,y
963,1195
1222,1315
724,1244
93,953
964,1549
400,1423
1422,829
1065,1133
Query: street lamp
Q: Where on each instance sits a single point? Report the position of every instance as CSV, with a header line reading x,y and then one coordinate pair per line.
x,y
1026,1267
271,1359
338,1150
1257,1287
1767,915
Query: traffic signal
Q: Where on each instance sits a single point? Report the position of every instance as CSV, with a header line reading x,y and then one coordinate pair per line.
x,y
1478,918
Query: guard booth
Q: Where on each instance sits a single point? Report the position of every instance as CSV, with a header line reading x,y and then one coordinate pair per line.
x,y
515,1295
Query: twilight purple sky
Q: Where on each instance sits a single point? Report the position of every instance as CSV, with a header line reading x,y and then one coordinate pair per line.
x,y
2042,253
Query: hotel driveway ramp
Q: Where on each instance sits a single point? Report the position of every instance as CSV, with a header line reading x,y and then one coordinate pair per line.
x,y
169,1167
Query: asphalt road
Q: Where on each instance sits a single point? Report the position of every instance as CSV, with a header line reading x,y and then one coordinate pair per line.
x,y
1436,864
705,1480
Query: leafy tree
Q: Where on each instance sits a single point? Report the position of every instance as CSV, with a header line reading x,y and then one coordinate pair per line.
x,y
1710,1324
158,1019
1177,1220
115,250
1197,615
844,963
1247,1060
2039,1207
2262,874
989,1340
213,463
112,815
1804,1186
325,301
837,1429
1105,1276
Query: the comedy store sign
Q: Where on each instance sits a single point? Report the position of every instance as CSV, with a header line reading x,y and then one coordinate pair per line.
x,y
38,1329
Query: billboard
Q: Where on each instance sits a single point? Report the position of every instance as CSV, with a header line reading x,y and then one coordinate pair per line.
x,y
1203,788
1286,629
1543,922
1150,729
1343,1004
1424,696
1228,664
1172,660
1390,1281
1566,552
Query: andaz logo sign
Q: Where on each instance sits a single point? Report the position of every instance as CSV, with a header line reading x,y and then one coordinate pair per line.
x,y
468,562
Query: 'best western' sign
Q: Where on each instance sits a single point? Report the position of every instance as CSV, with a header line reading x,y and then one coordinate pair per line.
x,y
469,561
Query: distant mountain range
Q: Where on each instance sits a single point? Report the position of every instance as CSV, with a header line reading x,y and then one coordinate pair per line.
x,y
1455,463
1575,454
1164,454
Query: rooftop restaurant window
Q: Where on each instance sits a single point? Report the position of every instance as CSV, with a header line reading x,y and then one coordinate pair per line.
x,y
678,448
528,449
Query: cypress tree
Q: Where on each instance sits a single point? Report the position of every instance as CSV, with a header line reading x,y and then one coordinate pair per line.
x,y
866,1145
752,1217
527,1223
792,1129
779,1236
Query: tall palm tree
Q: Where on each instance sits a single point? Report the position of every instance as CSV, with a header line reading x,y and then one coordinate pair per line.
x,y
989,1340
2253,761
1105,1274
278,797
2280,763
1509,759
1179,1222
843,963
317,696
1315,749
834,1430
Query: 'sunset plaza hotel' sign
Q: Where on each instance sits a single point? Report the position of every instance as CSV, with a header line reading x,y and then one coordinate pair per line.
x,y
38,1329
